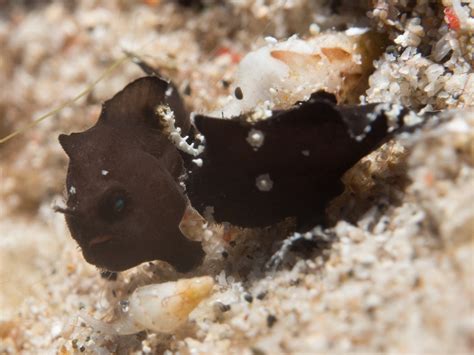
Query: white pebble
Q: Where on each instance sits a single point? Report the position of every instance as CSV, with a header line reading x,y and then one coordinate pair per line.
x,y
198,162
271,40
314,29
56,329
356,31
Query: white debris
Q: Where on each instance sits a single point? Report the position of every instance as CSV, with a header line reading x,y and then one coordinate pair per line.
x,y
56,329
458,125
443,46
198,162
412,35
264,183
200,138
104,172
412,119
271,40
169,91
166,115
305,152
261,111
72,190
208,234
392,112
255,138
314,29
356,31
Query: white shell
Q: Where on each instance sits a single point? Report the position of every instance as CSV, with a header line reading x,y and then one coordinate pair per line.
x,y
281,73
160,307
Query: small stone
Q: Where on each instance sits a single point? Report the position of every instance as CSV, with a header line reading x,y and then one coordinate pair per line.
x,y
314,29
198,162
124,306
271,320
248,297
239,95
222,307
271,40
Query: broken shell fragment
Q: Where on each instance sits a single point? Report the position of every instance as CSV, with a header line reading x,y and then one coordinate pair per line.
x,y
160,308
282,73
164,307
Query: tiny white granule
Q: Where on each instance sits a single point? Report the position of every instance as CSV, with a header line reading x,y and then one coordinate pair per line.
x,y
408,53
305,153
356,31
434,71
146,349
255,138
198,162
314,29
200,137
262,111
412,119
271,40
357,59
56,330
392,112
169,91
264,183
72,190
458,125
104,172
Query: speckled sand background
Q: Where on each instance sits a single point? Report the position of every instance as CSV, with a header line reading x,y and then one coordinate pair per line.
x,y
397,275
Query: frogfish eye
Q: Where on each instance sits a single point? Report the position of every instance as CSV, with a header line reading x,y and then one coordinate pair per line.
x,y
114,205
119,204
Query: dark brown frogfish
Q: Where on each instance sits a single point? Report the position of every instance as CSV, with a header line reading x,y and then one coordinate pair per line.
x,y
124,182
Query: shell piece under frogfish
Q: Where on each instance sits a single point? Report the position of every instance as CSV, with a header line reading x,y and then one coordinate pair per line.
x,y
161,308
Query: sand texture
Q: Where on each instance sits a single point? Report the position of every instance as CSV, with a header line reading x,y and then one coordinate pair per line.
x,y
394,272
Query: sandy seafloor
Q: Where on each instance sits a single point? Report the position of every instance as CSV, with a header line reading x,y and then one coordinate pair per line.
x,y
397,275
